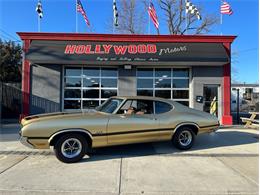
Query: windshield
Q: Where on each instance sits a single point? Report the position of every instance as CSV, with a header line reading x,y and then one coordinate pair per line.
x,y
110,105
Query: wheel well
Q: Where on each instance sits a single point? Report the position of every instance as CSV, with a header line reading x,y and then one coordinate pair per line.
x,y
85,135
193,127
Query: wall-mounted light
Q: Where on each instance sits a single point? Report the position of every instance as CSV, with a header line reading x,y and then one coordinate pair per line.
x,y
127,67
199,99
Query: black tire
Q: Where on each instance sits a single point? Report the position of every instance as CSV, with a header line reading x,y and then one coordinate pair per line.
x,y
62,142
178,140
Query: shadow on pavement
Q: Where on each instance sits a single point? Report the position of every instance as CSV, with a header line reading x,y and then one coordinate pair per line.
x,y
224,138
204,141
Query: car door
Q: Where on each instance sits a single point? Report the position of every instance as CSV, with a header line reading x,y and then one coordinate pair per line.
x,y
140,126
165,118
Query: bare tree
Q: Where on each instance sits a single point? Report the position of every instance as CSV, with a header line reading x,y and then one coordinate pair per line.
x,y
132,17
179,22
234,68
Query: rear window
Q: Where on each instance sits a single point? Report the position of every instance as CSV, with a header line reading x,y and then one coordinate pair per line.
x,y
162,107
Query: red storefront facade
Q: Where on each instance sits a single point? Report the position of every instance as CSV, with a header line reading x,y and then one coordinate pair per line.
x,y
73,44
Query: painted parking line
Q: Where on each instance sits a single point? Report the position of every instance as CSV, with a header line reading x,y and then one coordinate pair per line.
x,y
7,162
46,173
25,153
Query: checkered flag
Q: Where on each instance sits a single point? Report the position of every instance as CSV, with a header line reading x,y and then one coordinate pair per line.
x,y
115,13
190,8
38,9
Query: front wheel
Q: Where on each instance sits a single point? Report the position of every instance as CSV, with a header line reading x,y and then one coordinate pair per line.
x,y
184,138
70,148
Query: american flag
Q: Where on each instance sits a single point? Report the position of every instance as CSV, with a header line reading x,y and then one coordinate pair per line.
x,y
82,11
152,14
225,8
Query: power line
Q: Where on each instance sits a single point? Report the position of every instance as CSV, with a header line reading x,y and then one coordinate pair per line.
x,y
4,37
247,50
9,36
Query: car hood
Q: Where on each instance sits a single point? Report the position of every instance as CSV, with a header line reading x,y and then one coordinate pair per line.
x,y
58,115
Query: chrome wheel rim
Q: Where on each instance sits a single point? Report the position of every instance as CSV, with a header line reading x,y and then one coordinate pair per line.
x,y
71,148
185,138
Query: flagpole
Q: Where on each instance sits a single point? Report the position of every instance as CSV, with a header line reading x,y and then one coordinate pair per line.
x,y
186,18
158,32
149,20
113,22
76,17
149,26
221,23
221,19
39,24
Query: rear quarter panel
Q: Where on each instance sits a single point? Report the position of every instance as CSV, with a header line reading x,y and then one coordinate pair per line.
x,y
181,116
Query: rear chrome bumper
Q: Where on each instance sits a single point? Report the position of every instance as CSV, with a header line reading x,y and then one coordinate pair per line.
x,y
217,127
25,142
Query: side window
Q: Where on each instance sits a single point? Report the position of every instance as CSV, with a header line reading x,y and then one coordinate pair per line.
x,y
125,107
162,107
137,107
144,107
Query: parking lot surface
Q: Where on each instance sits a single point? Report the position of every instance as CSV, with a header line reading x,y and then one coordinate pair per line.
x,y
224,162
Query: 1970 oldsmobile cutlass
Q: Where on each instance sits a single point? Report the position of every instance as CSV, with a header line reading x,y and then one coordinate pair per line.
x,y
119,120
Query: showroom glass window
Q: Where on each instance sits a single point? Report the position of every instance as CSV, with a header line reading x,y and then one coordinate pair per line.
x,y
169,83
86,87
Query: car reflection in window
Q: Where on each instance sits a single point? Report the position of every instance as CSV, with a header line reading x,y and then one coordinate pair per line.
x,y
110,105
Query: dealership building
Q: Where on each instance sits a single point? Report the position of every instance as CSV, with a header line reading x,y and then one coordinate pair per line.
x,y
74,71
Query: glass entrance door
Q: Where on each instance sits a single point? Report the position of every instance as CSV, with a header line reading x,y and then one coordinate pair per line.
x,y
210,93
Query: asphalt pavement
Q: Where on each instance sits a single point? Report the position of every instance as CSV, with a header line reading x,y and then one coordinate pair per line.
x,y
224,162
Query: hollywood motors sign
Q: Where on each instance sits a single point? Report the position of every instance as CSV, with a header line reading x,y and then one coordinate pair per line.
x,y
111,49
93,51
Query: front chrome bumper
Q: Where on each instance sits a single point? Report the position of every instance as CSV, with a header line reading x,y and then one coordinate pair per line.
x,y
25,142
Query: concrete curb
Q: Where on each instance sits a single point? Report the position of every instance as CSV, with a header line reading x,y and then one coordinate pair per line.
x,y
235,127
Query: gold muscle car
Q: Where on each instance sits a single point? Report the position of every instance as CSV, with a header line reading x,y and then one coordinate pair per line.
x,y
119,120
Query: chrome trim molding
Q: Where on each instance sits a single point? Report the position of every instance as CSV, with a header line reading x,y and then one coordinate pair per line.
x,y
25,142
71,131
186,123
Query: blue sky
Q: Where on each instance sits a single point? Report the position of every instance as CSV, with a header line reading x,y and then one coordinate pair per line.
x,y
59,16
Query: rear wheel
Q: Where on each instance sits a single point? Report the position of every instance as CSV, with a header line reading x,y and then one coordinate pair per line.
x,y
70,148
184,138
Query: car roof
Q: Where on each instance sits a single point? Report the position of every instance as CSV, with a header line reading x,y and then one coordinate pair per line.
x,y
144,98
